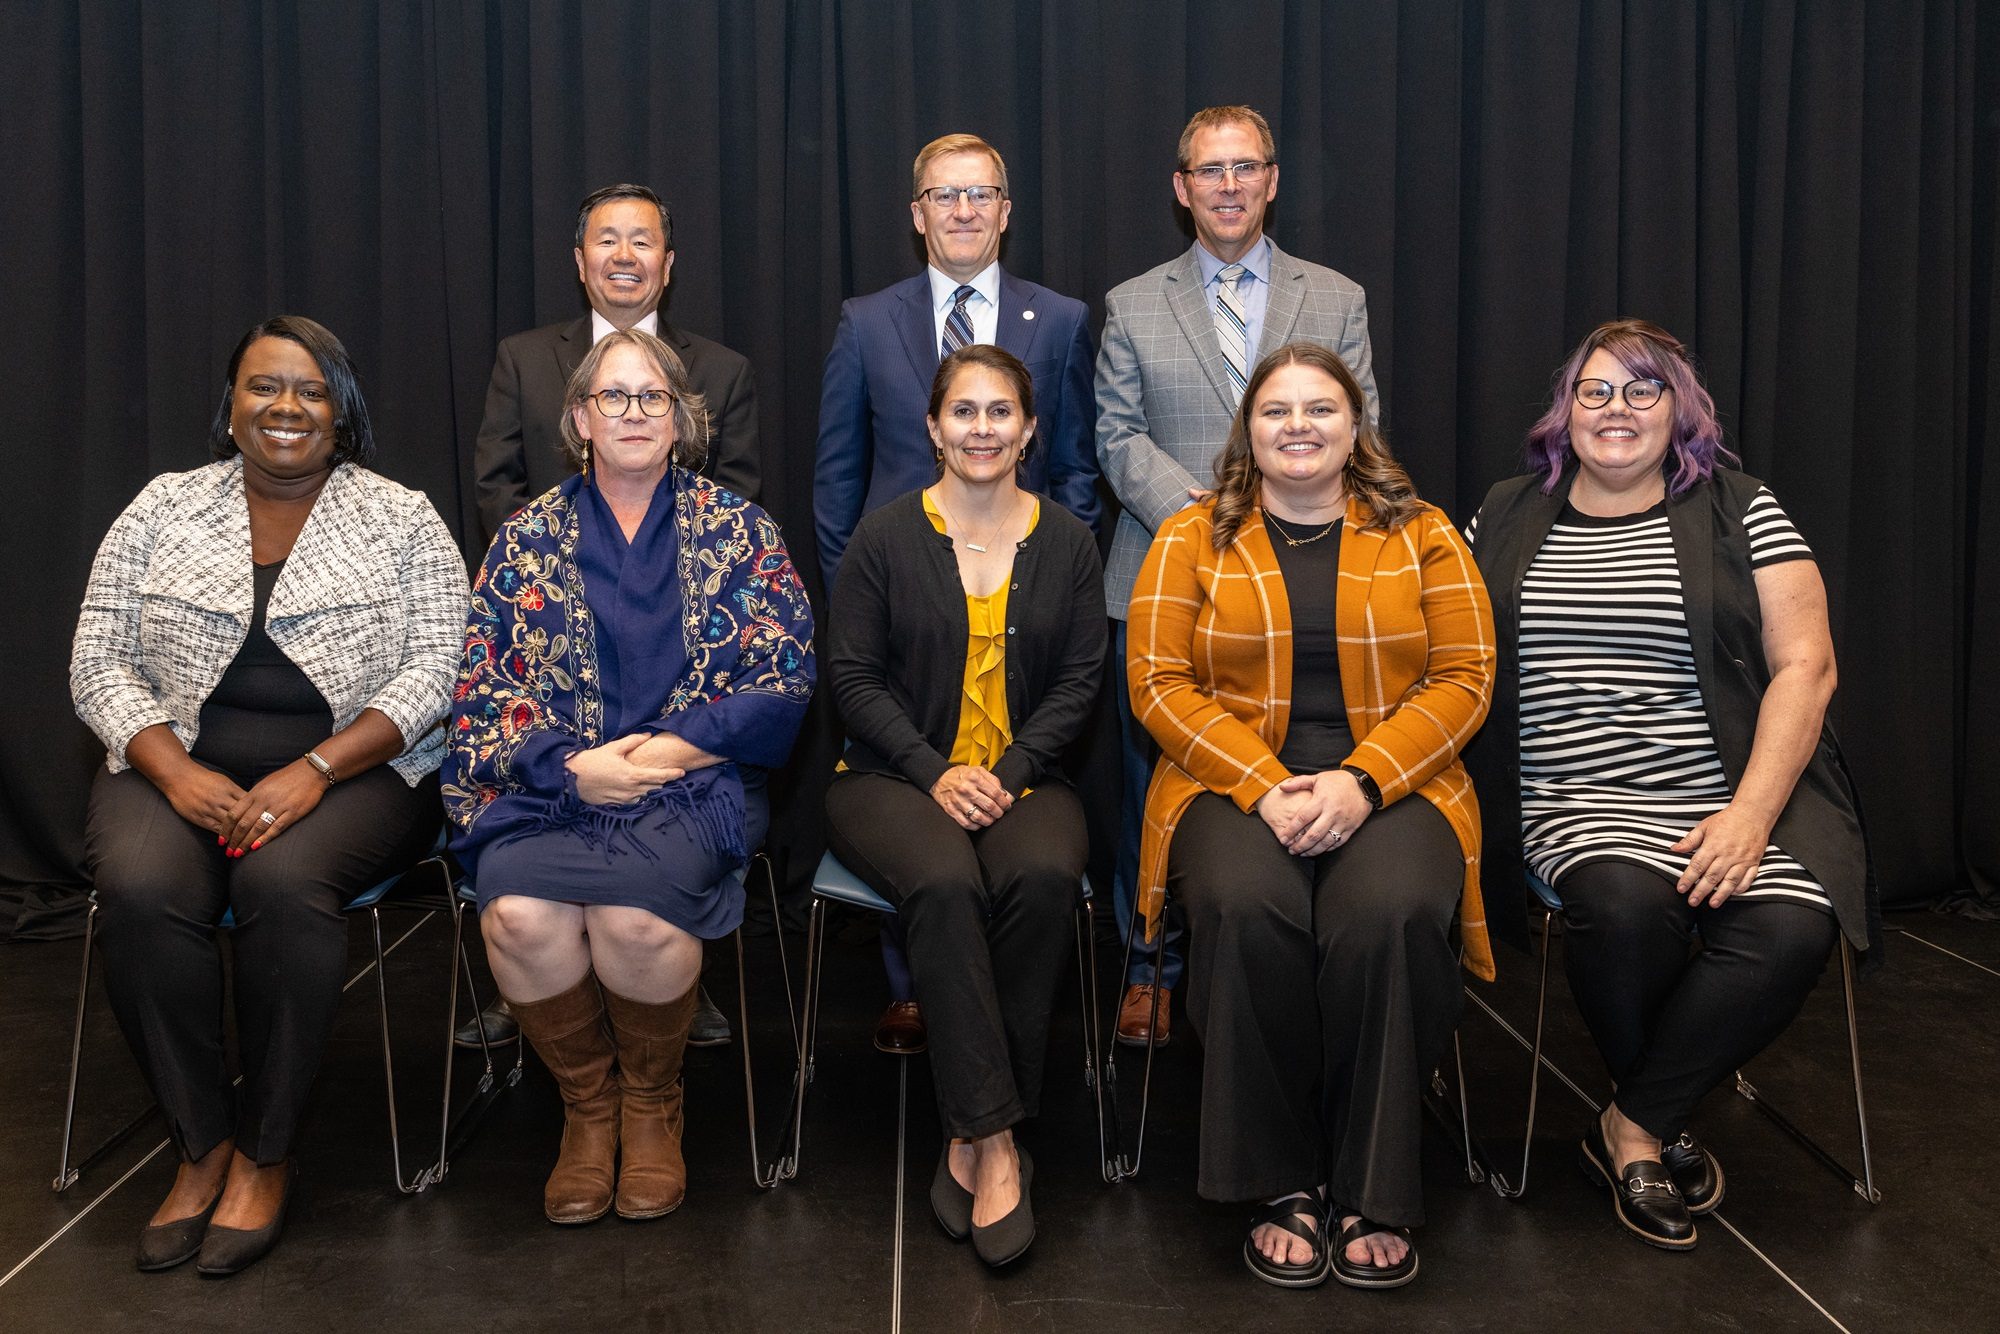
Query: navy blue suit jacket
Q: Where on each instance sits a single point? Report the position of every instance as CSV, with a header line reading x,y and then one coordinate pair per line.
x,y
876,392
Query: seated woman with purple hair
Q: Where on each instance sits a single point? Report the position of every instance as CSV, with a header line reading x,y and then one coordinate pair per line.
x,y
1658,752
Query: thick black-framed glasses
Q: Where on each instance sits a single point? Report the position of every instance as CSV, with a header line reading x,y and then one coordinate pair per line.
x,y
946,196
1211,174
1639,394
614,402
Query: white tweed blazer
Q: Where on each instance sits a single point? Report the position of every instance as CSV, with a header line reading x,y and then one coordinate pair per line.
x,y
370,606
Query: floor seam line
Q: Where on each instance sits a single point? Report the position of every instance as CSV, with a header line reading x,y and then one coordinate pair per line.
x,y
1942,950
132,1171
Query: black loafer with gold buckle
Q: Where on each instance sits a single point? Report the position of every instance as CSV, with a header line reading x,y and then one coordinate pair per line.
x,y
1643,1196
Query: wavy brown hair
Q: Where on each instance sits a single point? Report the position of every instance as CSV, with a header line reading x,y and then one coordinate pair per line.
x,y
1372,474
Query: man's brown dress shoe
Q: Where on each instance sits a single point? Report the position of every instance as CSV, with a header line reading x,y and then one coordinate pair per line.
x,y
1135,1016
900,1031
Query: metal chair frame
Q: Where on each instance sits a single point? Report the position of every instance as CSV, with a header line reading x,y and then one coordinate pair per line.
x,y
1118,1166
389,894
834,882
1862,1184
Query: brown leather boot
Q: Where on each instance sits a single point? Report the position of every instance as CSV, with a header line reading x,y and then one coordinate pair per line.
x,y
652,1177
569,1033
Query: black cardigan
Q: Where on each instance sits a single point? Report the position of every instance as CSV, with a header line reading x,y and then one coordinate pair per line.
x,y
1819,825
896,640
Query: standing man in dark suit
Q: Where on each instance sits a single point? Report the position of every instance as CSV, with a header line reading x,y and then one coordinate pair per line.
x,y
877,382
1179,343
876,390
624,257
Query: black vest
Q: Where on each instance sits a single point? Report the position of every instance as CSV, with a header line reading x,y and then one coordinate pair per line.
x,y
1819,825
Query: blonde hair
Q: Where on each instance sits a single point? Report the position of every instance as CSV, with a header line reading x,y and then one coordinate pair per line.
x,y
1371,476
1214,118
945,146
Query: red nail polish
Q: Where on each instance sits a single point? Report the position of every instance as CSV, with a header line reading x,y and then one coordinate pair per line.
x,y
221,842
258,844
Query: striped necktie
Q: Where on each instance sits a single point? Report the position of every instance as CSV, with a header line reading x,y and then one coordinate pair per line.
x,y
1231,328
958,324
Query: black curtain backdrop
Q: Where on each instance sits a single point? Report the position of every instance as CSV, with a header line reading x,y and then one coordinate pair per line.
x,y
1804,190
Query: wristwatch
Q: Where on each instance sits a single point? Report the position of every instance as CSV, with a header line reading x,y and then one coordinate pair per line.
x,y
1368,787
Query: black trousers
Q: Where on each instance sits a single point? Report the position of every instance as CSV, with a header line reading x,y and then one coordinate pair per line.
x,y
1672,1025
987,917
163,885
1324,989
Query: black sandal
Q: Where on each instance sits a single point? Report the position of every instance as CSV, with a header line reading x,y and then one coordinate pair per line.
x,y
1366,1275
1301,1216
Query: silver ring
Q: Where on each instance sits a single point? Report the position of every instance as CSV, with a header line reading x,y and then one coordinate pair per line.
x,y
1338,836
268,818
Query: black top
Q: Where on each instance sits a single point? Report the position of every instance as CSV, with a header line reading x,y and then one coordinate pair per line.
x,y
896,639
264,712
1317,737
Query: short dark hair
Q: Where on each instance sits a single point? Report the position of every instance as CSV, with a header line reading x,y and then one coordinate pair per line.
x,y
624,190
986,356
353,434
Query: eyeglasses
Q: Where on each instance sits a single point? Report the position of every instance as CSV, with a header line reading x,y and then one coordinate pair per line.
x,y
614,402
1211,173
1639,394
946,196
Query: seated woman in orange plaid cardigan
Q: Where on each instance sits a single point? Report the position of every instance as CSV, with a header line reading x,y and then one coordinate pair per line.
x,y
1311,648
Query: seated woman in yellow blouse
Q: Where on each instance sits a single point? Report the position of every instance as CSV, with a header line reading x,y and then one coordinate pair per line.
x,y
965,647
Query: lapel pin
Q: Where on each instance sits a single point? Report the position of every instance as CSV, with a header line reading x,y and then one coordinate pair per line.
x,y
1027,314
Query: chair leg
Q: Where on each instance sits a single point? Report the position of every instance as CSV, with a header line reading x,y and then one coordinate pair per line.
x,y
781,1168
422,1178
1086,989
1864,1184
65,1174
1497,1179
1117,1166
787,1165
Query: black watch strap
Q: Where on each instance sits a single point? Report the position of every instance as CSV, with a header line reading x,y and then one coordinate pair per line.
x,y
1368,787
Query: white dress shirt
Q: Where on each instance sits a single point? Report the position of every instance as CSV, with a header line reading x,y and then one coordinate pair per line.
x,y
983,310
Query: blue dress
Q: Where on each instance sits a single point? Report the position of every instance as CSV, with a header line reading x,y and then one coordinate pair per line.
x,y
688,628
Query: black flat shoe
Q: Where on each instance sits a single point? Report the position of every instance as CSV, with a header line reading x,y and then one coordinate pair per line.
x,y
164,1245
1292,1214
231,1250
1365,1275
1643,1196
950,1202
1696,1172
1007,1240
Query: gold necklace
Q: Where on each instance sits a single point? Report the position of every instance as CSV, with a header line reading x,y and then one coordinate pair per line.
x,y
1276,526
971,545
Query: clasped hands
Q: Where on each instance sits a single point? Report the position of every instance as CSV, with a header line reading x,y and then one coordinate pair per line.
x,y
213,801
622,771
1315,813
971,796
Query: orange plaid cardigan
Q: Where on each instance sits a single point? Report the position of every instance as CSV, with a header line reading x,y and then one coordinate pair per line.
x,y
1209,659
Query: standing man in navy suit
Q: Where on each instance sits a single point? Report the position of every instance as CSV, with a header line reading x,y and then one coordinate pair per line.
x,y
876,390
877,383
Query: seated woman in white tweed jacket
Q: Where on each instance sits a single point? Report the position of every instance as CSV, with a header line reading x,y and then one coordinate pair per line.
x,y
266,648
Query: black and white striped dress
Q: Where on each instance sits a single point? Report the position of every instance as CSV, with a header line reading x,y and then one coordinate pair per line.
x,y
1617,758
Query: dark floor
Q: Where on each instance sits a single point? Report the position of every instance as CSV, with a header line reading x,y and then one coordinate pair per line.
x,y
841,1247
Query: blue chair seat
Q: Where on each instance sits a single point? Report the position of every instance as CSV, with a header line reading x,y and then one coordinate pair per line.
x,y
834,881
1541,890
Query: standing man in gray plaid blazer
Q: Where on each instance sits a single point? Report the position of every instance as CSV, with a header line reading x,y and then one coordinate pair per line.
x,y
1179,342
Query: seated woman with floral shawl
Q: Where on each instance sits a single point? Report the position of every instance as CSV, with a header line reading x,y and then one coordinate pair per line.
x,y
638,654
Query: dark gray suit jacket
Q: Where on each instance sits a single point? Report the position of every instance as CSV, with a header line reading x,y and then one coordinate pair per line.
x,y
519,454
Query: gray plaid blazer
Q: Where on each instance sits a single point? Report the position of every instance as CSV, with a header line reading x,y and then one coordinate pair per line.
x,y
370,606
1163,405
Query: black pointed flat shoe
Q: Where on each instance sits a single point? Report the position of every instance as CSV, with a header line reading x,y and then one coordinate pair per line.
x,y
231,1250
1007,1240
950,1202
1697,1173
164,1245
1643,1197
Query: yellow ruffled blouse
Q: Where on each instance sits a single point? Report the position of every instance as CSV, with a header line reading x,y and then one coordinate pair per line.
x,y
984,732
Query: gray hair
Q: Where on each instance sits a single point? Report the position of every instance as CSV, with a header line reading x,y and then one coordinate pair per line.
x,y
690,410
